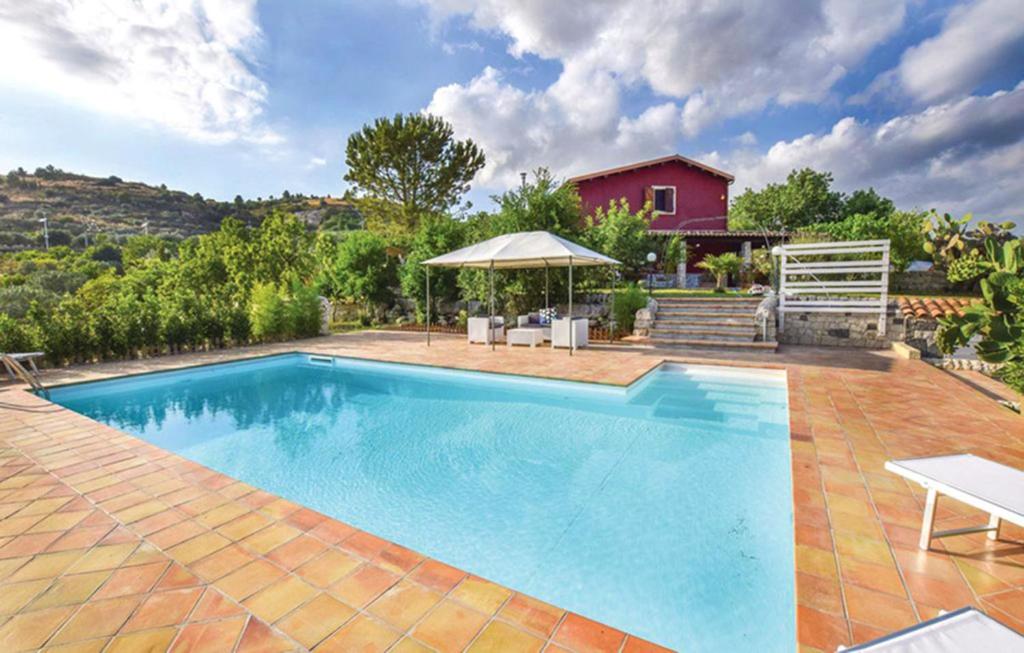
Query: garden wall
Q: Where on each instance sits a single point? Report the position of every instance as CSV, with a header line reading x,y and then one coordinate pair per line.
x,y
842,329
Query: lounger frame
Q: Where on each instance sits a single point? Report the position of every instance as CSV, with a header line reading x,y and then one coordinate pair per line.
x,y
936,488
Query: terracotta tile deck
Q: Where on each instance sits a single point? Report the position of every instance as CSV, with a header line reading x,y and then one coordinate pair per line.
x,y
107,541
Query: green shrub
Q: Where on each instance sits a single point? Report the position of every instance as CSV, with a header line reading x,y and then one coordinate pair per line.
x,y
1012,374
303,309
17,336
268,314
628,301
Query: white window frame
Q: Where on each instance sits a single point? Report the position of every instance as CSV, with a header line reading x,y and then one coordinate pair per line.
x,y
675,199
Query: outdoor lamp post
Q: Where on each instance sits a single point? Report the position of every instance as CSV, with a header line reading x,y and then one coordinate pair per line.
x,y
651,258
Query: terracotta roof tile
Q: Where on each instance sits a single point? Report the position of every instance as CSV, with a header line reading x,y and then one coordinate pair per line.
x,y
933,307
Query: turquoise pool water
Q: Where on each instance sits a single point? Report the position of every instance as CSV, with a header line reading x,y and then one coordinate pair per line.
x,y
663,509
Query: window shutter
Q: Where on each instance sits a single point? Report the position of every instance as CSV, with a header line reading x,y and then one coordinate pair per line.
x,y
649,196
670,204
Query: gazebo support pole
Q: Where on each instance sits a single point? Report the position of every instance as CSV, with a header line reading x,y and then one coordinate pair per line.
x,y
546,306
572,327
611,312
490,322
428,305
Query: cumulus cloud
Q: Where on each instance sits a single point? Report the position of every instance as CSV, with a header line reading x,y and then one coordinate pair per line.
x,y
976,40
520,130
316,162
705,61
959,156
179,65
722,59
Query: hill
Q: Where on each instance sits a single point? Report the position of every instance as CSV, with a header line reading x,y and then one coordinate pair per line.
x,y
78,206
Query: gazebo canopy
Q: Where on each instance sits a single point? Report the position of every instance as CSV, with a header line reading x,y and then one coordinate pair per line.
x,y
526,249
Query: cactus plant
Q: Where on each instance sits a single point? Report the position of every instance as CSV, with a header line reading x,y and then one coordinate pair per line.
x,y
999,318
948,239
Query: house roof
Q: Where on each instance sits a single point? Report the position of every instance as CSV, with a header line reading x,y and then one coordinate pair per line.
x,y
933,307
718,233
526,249
650,163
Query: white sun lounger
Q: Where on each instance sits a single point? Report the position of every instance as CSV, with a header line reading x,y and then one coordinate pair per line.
x,y
986,485
966,629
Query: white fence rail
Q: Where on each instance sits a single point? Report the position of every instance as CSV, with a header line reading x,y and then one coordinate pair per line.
x,y
801,277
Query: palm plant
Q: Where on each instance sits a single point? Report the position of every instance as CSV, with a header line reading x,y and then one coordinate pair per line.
x,y
721,265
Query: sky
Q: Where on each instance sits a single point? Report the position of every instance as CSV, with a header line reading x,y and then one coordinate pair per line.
x,y
922,100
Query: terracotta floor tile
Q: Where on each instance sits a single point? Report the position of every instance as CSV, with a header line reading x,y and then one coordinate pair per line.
x,y
48,565
70,590
15,596
313,622
259,638
449,627
481,594
437,575
884,578
328,568
582,634
363,585
212,636
177,577
397,559
877,609
31,630
362,634
215,605
175,534
293,553
222,514
243,526
816,562
198,547
97,619
223,562
305,519
331,531
403,605
947,595
363,544
150,641
163,609
80,538
279,598
823,631
29,544
249,579
103,557
132,580
270,538
499,637
819,593
410,645
531,615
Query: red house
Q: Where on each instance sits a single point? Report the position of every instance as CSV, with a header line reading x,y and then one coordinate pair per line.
x,y
689,198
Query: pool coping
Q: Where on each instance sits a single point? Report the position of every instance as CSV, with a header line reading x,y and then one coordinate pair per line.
x,y
837,445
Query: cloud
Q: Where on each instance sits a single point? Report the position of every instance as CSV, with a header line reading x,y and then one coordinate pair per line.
x,y
520,130
316,162
976,40
183,66
960,156
722,59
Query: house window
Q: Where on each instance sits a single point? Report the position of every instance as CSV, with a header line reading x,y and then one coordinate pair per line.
x,y
665,199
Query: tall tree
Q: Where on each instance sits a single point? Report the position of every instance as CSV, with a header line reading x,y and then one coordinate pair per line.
x,y
408,167
806,198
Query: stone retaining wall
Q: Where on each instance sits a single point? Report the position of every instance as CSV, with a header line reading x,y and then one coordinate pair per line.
x,y
842,329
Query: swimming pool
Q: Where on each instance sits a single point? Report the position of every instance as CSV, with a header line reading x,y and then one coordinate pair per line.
x,y
663,509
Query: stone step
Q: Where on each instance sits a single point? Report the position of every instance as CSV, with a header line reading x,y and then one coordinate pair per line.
x,y
662,334
679,313
706,301
745,320
705,327
681,343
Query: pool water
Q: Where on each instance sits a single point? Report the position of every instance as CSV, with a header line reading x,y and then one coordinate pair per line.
x,y
663,509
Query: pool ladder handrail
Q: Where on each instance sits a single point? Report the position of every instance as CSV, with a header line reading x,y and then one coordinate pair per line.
x,y
15,366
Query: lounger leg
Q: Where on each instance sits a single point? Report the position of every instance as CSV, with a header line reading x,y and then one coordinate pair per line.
x,y
929,519
993,523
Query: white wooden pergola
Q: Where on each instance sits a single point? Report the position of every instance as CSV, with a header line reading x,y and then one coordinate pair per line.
x,y
522,250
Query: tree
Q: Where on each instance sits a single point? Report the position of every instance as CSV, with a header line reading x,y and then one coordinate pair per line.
x,y
805,199
901,228
721,266
862,202
412,162
435,236
361,271
621,234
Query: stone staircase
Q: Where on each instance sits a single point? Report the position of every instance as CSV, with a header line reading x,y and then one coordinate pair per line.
x,y
708,323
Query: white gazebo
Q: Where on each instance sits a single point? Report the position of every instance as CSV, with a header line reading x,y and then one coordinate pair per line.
x,y
526,249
